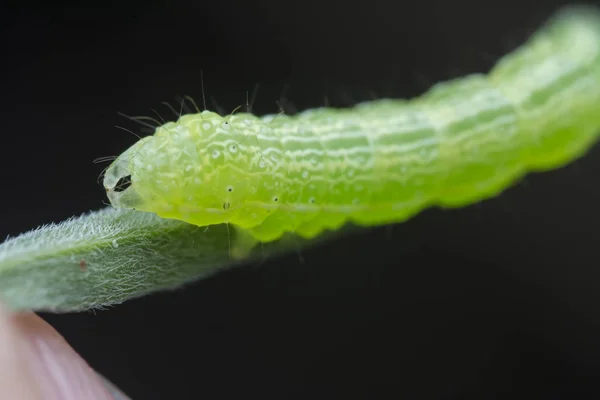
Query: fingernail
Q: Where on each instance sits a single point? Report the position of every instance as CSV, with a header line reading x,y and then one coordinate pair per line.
x,y
59,371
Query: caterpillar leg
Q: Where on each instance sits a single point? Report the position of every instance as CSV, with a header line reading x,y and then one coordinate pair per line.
x,y
243,243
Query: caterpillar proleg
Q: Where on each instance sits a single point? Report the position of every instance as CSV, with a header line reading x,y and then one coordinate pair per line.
x,y
381,161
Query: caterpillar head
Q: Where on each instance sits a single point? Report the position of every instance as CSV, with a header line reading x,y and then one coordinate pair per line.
x,y
179,173
148,176
121,181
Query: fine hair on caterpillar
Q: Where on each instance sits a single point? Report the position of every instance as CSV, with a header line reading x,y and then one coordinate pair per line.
x,y
378,162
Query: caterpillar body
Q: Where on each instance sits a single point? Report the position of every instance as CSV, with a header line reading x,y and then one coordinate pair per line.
x,y
378,162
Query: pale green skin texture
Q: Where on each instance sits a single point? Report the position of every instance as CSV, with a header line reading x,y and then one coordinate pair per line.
x,y
379,162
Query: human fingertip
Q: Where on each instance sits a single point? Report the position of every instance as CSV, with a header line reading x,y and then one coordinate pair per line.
x,y
59,372
16,378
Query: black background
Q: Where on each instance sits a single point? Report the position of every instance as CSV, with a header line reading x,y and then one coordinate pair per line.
x,y
496,300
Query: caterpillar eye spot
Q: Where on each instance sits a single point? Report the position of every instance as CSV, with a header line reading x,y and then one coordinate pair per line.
x,y
123,184
275,198
226,205
230,189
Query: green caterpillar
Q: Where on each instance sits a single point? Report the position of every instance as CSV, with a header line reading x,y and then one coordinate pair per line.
x,y
379,162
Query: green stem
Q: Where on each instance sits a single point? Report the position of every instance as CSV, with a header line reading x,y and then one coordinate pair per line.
x,y
109,256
